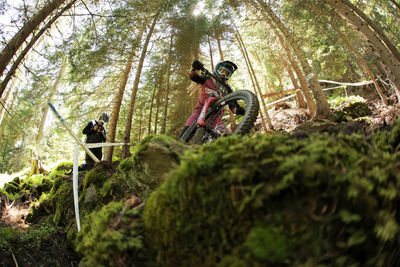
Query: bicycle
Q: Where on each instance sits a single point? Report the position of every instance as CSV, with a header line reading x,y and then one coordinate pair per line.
x,y
211,123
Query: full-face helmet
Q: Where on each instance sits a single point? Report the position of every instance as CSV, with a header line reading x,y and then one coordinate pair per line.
x,y
224,70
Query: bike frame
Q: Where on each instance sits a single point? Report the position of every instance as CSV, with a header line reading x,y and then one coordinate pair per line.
x,y
201,121
215,126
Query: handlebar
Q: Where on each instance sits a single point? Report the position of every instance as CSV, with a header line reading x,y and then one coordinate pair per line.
x,y
208,73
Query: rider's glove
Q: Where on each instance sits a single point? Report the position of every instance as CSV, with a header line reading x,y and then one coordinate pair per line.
x,y
197,65
240,111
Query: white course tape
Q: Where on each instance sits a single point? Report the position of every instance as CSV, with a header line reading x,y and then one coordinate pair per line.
x,y
349,84
325,89
75,185
75,175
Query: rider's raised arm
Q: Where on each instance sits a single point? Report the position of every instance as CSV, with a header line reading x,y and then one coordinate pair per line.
x,y
194,76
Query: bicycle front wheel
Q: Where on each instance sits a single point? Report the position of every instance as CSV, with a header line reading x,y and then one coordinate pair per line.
x,y
239,124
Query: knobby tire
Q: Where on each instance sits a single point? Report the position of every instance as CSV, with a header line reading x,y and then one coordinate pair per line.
x,y
245,126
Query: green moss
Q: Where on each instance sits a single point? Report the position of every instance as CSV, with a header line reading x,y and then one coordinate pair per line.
x,y
118,187
270,200
318,196
110,236
151,162
267,245
62,168
96,176
63,203
7,236
12,187
358,109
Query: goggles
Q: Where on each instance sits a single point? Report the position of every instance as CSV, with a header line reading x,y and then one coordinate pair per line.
x,y
224,72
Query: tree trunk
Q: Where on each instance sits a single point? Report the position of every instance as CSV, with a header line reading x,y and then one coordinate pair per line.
x,y
323,109
128,126
19,38
158,102
396,4
291,75
28,47
46,106
253,78
112,127
164,123
6,99
140,125
389,62
278,73
36,165
3,125
363,63
352,70
260,96
221,55
151,110
302,80
395,52
211,53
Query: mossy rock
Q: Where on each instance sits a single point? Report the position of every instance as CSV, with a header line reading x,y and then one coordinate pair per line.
x,y
57,205
357,109
138,175
325,199
151,162
339,116
63,167
112,236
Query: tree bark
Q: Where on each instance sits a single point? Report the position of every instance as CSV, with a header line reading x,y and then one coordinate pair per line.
x,y
352,70
128,126
363,63
376,28
158,102
291,75
151,110
389,62
19,38
211,52
36,167
6,99
112,128
254,79
166,103
302,80
140,125
221,55
322,106
278,73
396,4
28,47
46,106
3,125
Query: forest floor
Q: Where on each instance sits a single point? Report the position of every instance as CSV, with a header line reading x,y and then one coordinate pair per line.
x,y
25,252
286,117
31,245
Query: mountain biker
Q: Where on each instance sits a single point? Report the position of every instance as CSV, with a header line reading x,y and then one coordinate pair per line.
x,y
222,72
